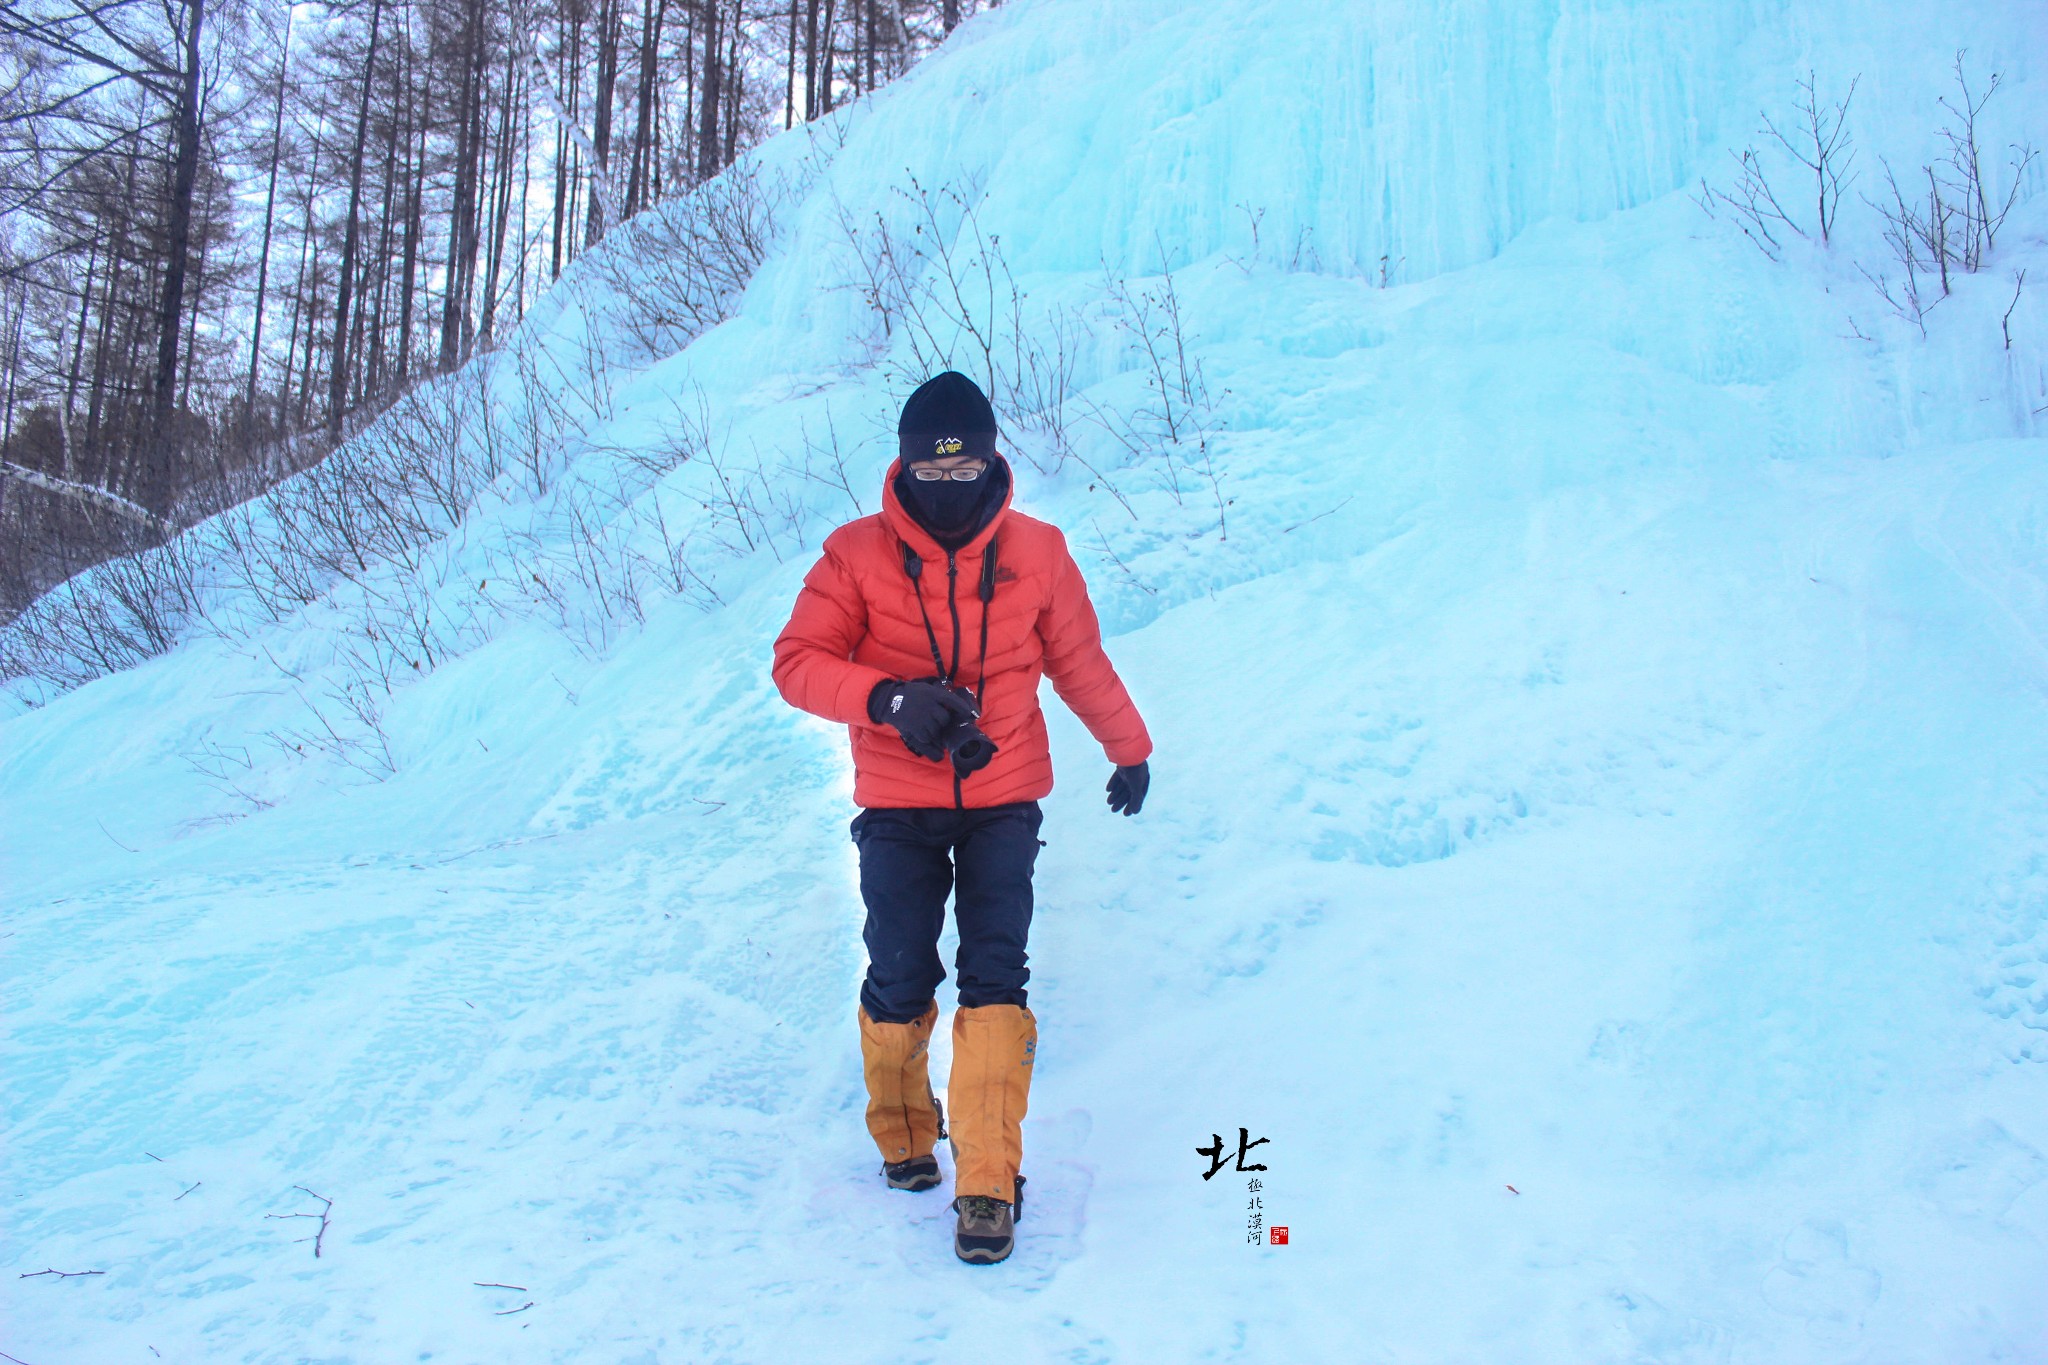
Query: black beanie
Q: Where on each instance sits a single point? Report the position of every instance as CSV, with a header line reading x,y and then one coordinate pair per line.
x,y
948,415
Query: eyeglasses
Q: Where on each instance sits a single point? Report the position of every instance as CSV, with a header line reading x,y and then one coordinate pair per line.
x,y
927,474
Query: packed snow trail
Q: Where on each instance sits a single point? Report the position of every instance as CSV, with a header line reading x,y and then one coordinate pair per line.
x,y
1598,835
611,1063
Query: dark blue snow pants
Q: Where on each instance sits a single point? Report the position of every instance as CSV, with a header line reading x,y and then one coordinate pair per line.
x,y
909,860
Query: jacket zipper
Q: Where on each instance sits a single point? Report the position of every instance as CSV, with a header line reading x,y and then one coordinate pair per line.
x,y
953,609
953,606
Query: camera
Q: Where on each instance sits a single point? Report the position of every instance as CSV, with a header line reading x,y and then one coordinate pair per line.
x,y
964,742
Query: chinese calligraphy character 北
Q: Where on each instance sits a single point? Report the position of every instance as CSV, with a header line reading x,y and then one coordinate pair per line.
x,y
1215,1152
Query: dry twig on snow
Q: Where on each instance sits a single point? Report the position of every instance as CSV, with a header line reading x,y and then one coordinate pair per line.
x,y
319,1237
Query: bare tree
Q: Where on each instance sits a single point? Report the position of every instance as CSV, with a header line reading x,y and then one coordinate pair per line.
x,y
337,391
1820,142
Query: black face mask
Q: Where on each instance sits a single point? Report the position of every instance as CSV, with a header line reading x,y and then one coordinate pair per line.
x,y
951,510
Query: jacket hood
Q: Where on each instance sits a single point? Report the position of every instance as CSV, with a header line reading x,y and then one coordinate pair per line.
x,y
912,533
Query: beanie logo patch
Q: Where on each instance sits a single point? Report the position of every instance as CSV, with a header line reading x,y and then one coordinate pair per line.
x,y
947,445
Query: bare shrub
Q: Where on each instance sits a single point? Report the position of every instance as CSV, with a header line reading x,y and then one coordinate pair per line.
x,y
609,577
683,437
114,615
824,461
679,268
1937,223
1754,203
1301,255
1819,142
1981,211
229,769
1172,430
1950,226
1920,234
745,502
382,497
938,289
671,563
347,726
943,297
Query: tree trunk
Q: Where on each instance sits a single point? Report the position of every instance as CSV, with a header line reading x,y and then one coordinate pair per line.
x,y
337,384
380,262
184,174
460,209
299,292
13,373
810,60
711,96
789,75
192,325
826,58
654,162
414,212
525,197
473,219
269,208
502,207
92,260
576,152
689,130
735,81
312,330
117,256
601,117
651,17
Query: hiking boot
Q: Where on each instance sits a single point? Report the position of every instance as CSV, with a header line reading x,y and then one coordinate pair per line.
x,y
918,1173
986,1231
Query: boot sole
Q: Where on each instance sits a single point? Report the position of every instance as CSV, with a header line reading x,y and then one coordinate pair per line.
x,y
980,1256
925,1179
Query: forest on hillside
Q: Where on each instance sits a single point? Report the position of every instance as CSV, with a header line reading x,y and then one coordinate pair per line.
x,y
232,231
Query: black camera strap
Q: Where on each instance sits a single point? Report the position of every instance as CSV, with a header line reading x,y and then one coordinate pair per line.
x,y
913,569
987,592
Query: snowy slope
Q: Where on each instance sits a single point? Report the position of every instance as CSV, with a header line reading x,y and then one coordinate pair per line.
x,y
1599,832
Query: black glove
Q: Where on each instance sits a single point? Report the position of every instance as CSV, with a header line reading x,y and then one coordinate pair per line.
x,y
921,711
1127,787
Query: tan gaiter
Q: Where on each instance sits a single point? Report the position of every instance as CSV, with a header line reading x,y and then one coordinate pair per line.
x,y
994,1047
893,1057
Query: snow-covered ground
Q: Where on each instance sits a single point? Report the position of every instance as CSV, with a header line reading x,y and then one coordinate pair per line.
x,y
1599,830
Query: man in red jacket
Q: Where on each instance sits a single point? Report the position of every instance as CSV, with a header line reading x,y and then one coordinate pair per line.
x,y
925,628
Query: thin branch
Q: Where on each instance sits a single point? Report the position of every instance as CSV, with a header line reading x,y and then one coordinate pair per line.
x,y
318,1238
1317,517
61,1274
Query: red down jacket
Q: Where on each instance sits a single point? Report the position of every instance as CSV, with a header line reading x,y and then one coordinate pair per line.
x,y
856,623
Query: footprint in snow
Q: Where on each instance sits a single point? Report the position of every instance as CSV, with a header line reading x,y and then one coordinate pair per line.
x,y
1815,1279
1056,1187
1980,1172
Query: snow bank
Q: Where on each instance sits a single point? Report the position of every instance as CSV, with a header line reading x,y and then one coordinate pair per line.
x,y
1597,832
